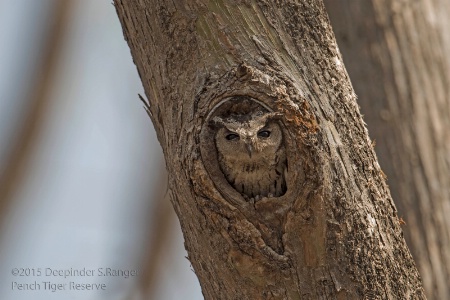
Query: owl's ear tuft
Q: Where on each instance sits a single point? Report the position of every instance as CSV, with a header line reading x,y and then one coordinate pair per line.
x,y
273,116
217,122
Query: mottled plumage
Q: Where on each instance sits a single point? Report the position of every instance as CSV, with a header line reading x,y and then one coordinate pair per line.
x,y
251,153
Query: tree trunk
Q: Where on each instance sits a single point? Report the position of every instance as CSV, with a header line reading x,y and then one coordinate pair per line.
x,y
335,233
398,58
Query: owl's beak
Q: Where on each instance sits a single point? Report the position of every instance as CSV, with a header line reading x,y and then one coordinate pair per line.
x,y
249,149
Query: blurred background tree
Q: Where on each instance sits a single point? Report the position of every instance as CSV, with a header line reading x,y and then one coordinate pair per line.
x,y
396,53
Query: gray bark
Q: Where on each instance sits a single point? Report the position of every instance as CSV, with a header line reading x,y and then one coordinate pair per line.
x,y
335,234
397,56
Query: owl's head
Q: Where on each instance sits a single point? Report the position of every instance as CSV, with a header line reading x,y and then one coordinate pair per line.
x,y
252,135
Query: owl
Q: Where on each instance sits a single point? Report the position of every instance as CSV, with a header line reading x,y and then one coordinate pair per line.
x,y
251,153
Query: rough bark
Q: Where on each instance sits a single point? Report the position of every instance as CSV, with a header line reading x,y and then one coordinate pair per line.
x,y
335,234
397,55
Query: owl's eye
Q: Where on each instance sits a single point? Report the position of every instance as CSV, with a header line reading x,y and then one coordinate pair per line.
x,y
264,133
232,136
